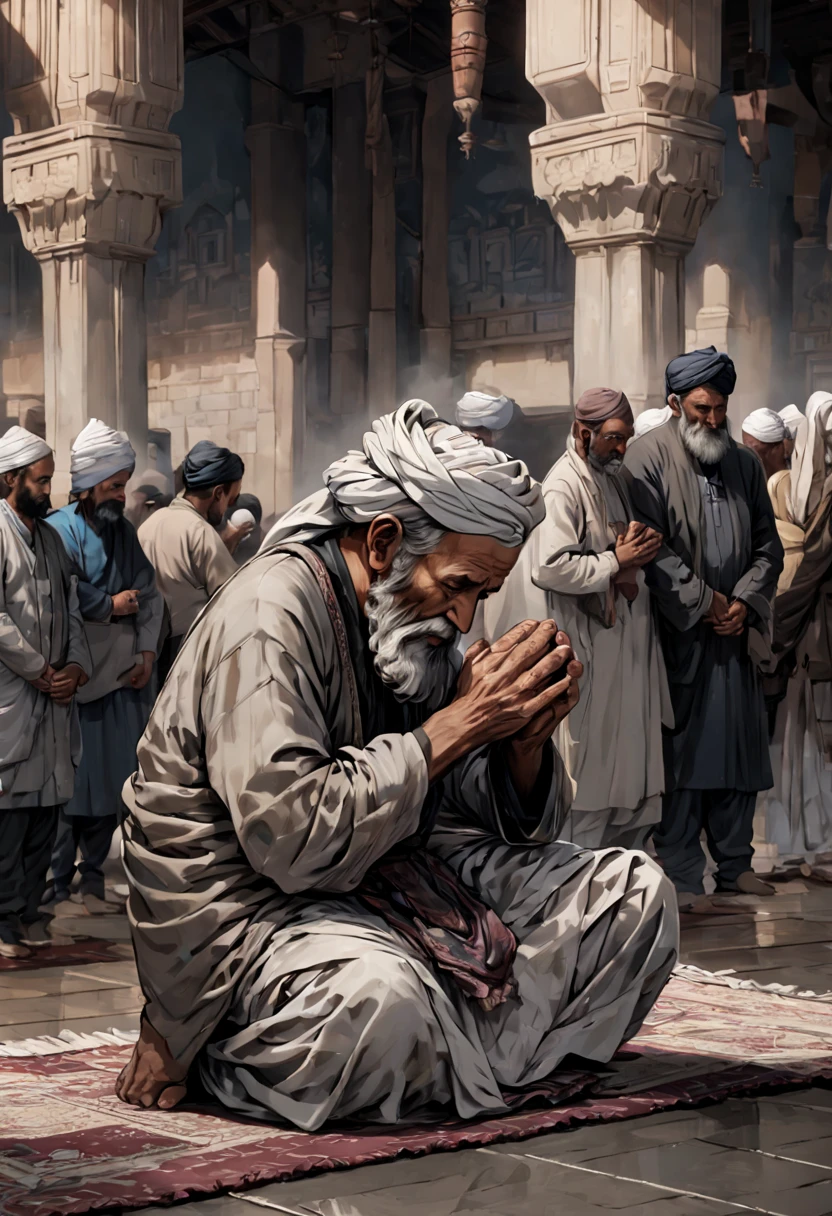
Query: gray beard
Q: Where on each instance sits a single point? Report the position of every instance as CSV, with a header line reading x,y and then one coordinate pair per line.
x,y
403,659
610,465
707,446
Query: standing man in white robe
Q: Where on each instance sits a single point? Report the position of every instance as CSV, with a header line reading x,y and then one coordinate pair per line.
x,y
43,659
582,568
348,897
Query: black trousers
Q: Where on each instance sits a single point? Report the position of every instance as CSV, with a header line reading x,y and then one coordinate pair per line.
x,y
727,818
92,835
26,839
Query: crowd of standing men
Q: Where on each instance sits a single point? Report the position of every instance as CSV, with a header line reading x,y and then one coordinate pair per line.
x,y
92,615
661,555
693,575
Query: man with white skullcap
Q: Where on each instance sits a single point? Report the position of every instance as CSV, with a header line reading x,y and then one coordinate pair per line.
x,y
765,433
347,896
123,613
43,659
484,415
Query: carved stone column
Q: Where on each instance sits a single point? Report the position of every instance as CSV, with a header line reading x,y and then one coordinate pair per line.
x,y
91,86
435,337
277,145
381,346
351,245
629,167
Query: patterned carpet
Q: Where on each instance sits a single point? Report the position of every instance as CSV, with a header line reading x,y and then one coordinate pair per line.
x,y
68,1146
74,954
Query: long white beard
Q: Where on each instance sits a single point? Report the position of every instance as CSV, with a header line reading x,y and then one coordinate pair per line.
x,y
414,669
706,445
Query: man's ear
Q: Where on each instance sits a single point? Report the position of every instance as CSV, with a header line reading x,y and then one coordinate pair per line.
x,y
675,404
384,536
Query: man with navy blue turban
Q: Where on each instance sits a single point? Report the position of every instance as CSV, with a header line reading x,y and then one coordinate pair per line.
x,y
192,561
712,582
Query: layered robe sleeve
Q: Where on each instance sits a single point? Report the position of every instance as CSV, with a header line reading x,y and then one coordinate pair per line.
x,y
309,817
756,588
148,620
213,564
479,798
655,484
567,565
16,651
795,606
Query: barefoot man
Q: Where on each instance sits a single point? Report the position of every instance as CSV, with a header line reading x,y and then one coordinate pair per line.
x,y
347,894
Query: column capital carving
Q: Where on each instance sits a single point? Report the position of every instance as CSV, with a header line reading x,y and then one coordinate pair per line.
x,y
643,176
91,188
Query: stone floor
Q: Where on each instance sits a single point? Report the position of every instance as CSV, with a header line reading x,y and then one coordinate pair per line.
x,y
772,1155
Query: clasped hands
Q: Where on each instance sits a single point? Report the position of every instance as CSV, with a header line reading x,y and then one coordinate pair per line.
x,y
727,617
61,685
635,548
515,691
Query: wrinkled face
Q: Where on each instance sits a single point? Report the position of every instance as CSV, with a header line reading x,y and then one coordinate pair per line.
x,y
418,606
109,497
30,490
459,573
605,446
703,423
703,407
772,456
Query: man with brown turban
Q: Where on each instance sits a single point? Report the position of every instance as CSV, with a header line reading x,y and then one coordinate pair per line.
x,y
582,568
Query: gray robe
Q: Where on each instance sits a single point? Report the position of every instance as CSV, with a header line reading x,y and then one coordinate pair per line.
x,y
40,622
720,736
252,821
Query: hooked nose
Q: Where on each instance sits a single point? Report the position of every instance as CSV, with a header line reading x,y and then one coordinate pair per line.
x,y
461,614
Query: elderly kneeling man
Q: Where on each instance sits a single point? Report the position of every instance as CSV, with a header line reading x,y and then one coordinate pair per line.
x,y
347,896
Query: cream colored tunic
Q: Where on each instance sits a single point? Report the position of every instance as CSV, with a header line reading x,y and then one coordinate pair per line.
x,y
40,622
798,810
191,561
251,822
611,743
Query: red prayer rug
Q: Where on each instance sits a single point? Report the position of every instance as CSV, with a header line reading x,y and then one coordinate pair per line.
x,y
73,954
68,1146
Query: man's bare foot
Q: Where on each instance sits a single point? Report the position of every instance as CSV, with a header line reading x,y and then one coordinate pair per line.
x,y
152,1077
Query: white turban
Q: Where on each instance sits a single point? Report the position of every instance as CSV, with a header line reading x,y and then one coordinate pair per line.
x,y
99,452
648,420
809,467
793,419
766,426
411,458
20,448
482,410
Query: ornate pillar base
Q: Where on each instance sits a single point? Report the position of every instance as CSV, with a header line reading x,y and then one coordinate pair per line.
x,y
629,191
